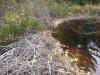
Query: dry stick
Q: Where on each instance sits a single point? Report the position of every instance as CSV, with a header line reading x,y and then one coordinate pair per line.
x,y
31,46
49,62
7,68
49,66
90,33
35,55
52,69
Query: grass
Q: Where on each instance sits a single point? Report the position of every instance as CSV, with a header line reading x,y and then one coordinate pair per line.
x,y
21,17
64,9
16,25
58,9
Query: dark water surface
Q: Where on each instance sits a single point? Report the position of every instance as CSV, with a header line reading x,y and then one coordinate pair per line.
x,y
82,38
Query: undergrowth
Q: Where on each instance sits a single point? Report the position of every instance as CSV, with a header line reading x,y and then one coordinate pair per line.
x,y
20,18
65,9
15,25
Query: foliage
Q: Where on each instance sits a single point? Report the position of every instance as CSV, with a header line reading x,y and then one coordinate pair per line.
x,y
64,9
58,9
17,20
16,25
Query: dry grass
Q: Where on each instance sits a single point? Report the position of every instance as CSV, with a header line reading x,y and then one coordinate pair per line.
x,y
63,9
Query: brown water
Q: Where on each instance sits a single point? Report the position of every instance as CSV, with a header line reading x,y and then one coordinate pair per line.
x,y
77,36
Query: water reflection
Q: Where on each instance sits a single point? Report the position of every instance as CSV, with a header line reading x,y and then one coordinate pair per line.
x,y
85,47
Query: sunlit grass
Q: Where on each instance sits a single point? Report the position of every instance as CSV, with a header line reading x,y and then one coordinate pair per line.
x,y
16,25
64,9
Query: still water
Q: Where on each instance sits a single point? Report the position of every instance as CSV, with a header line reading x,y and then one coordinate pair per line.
x,y
82,38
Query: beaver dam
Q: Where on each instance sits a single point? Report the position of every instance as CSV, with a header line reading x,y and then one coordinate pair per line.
x,y
82,38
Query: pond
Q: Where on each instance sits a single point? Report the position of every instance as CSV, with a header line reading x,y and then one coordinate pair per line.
x,y
82,38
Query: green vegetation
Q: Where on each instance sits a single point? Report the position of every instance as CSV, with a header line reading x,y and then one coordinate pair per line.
x,y
64,9
20,14
16,25
17,20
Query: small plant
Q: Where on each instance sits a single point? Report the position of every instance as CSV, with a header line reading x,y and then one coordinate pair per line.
x,y
16,25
